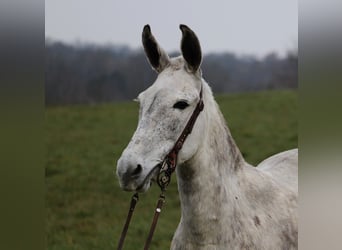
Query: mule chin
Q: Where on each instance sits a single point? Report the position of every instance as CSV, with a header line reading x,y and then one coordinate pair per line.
x,y
147,183
141,184
146,186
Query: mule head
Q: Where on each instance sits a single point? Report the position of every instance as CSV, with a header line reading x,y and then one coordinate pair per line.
x,y
165,108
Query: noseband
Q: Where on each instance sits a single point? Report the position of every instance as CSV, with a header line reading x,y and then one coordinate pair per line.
x,y
167,167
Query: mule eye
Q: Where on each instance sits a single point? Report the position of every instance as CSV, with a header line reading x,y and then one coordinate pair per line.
x,y
180,105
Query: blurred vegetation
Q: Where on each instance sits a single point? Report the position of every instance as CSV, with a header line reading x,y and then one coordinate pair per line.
x,y
86,208
76,74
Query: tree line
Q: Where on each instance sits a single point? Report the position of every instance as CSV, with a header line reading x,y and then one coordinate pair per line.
x,y
76,74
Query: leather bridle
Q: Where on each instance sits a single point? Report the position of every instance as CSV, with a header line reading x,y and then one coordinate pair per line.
x,y
169,164
167,167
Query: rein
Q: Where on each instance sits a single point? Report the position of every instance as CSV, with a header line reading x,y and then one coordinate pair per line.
x,y
167,167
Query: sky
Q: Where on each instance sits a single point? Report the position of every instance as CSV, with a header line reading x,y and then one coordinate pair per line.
x,y
239,26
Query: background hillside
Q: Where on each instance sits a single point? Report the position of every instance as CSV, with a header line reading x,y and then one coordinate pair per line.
x,y
85,73
86,209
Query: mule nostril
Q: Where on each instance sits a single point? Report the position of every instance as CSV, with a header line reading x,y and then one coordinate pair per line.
x,y
137,170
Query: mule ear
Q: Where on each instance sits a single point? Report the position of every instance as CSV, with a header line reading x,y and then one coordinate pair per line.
x,y
156,55
191,48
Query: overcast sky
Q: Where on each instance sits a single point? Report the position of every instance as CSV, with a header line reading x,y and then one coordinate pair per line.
x,y
239,26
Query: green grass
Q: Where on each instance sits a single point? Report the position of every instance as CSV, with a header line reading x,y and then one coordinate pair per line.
x,y
86,208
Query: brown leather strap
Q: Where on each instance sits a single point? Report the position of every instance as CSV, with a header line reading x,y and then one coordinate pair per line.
x,y
169,164
134,201
188,127
160,204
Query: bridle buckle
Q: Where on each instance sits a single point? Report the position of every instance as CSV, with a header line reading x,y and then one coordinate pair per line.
x,y
164,175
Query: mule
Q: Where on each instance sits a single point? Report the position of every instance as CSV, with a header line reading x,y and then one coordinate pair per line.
x,y
226,203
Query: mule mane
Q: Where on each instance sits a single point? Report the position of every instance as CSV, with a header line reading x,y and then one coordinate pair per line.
x,y
220,140
176,63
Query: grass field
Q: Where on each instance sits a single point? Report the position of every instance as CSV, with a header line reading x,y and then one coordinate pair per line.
x,y
86,208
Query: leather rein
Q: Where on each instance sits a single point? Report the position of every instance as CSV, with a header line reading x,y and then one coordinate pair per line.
x,y
167,167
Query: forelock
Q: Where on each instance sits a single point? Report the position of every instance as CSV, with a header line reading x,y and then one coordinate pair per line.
x,y
177,63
